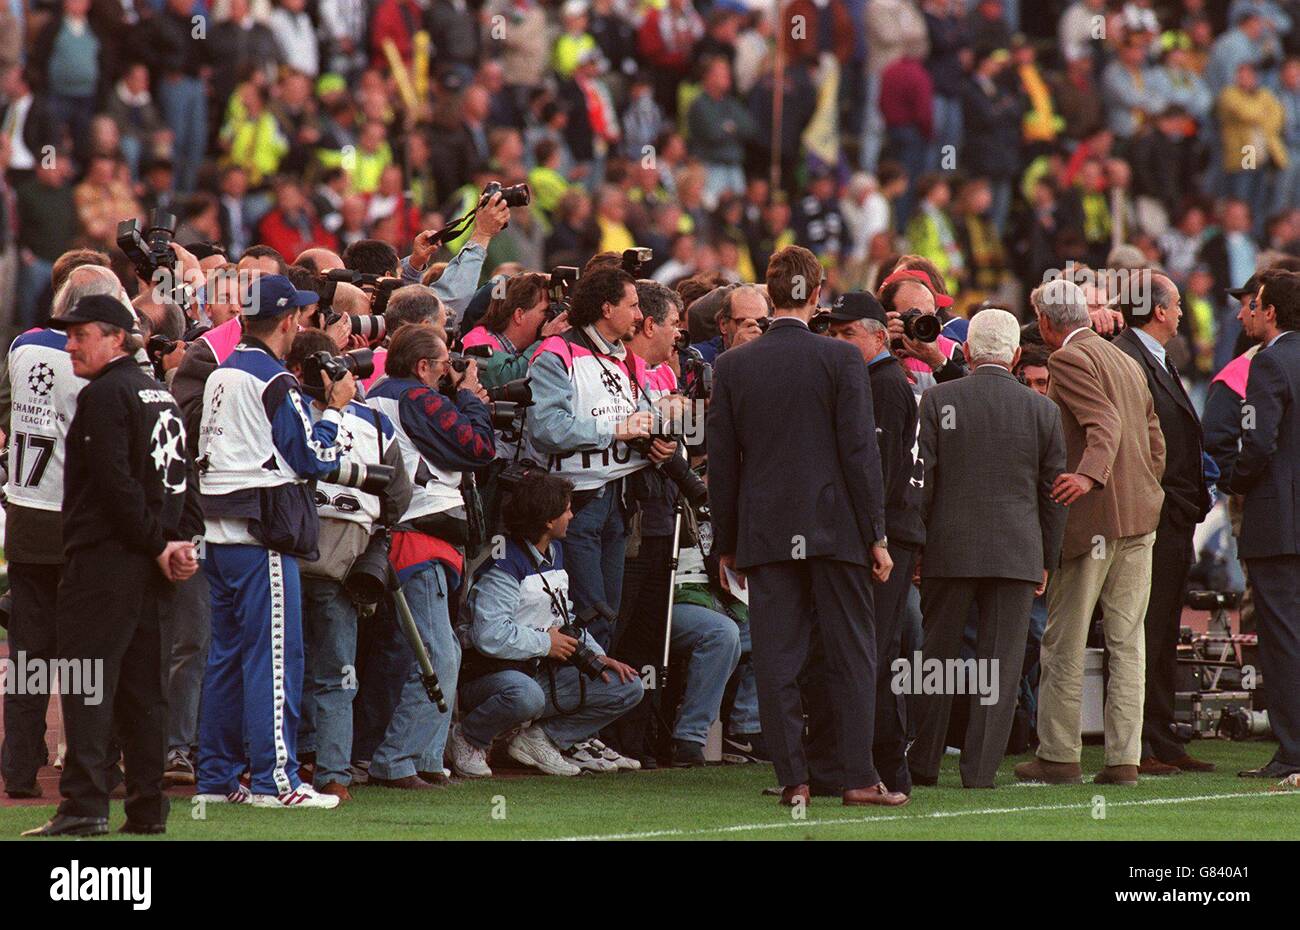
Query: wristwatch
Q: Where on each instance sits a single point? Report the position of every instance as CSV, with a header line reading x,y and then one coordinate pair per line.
x,y
881,543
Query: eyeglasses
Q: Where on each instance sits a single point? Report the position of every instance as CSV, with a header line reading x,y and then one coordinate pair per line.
x,y
438,362
1254,304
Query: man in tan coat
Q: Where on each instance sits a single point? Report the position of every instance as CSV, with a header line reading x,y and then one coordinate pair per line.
x,y
1115,456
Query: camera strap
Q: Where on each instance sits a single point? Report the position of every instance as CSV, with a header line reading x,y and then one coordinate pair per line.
x,y
631,370
558,603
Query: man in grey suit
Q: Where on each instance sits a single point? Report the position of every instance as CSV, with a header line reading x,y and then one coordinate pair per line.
x,y
992,450
799,507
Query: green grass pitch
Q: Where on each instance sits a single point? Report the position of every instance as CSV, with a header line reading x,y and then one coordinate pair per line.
x,y
724,802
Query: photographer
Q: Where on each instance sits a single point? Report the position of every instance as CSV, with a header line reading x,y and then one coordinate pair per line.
x,y
928,362
444,432
258,448
348,519
411,305
708,639
514,326
459,280
520,663
589,402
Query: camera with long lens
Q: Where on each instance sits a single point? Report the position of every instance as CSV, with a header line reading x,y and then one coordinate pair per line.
x,y
677,469
519,391
819,324
158,348
381,287
1238,723
371,327
517,195
364,477
634,260
359,362
367,579
562,279
584,658
918,326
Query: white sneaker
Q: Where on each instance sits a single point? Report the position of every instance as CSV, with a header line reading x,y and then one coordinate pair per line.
x,y
585,756
467,760
301,797
621,762
532,747
240,795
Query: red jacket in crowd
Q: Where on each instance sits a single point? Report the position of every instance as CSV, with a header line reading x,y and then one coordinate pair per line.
x,y
907,96
289,238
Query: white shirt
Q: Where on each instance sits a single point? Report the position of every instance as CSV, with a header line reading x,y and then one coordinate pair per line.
x,y
1153,347
20,156
1277,337
1066,341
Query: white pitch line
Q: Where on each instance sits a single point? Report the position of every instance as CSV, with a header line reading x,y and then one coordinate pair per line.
x,y
984,812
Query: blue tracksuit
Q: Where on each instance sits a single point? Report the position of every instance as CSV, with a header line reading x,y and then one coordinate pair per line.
x,y
257,445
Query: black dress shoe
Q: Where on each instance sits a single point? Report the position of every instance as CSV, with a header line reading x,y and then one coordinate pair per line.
x,y
66,825
1272,770
142,829
22,794
687,755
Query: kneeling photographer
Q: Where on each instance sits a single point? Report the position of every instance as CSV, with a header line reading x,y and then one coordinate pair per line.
x,y
527,661
444,432
360,501
707,641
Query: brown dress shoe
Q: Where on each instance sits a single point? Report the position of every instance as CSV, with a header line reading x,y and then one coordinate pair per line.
x,y
339,791
879,794
437,779
1188,764
1117,775
1052,773
790,793
409,783
1153,766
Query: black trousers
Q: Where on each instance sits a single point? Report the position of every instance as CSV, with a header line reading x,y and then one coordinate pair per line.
x,y
1171,560
782,621
31,634
1003,606
111,602
1277,617
889,749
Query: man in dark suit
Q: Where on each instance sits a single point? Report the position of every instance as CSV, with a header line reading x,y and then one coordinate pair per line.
x,y
1151,316
798,507
1265,471
992,451
861,320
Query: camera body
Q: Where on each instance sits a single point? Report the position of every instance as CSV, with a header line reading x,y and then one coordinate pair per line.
x,y
636,259
381,288
360,362
517,195
150,249
562,279
919,326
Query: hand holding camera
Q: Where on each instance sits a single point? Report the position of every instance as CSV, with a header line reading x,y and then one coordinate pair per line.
x,y
492,217
915,334
637,426
562,646
556,325
339,393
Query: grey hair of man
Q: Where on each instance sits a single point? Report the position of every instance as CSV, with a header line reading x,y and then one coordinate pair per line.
x,y
413,303
657,301
993,337
730,294
87,281
1062,302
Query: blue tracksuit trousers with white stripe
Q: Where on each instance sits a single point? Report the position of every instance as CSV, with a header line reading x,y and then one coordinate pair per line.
x,y
253,682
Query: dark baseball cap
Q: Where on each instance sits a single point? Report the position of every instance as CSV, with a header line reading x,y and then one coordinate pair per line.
x,y
97,308
857,306
1250,287
274,295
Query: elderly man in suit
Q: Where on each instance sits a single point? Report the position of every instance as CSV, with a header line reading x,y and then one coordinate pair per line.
x,y
1265,470
798,507
1151,313
1115,455
992,452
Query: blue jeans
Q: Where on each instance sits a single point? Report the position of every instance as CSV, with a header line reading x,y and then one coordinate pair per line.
x,y
1033,650
417,733
947,130
185,109
1000,211
329,620
495,703
744,706
1286,186
593,557
721,179
713,644
1252,186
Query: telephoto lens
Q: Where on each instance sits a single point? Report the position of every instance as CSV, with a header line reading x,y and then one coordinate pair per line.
x,y
584,658
369,327
517,195
369,479
367,580
519,391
